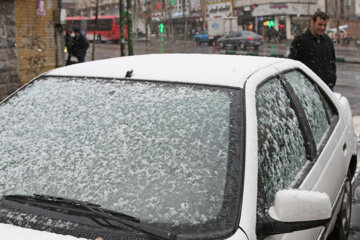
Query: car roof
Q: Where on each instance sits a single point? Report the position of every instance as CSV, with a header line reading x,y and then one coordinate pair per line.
x,y
210,69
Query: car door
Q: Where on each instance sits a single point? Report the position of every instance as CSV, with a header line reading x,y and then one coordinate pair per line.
x,y
237,39
229,39
282,151
322,116
329,167
296,142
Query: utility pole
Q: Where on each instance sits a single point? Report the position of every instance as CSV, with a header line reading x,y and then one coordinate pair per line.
x,y
148,14
95,28
169,24
202,2
184,18
130,27
122,26
189,16
337,19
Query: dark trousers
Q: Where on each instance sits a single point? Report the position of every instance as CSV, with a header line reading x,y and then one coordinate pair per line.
x,y
81,58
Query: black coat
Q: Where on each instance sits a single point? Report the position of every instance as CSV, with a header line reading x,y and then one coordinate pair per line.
x,y
80,45
317,54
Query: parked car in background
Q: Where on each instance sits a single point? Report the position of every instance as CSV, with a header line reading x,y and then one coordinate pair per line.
x,y
136,147
241,40
219,27
202,38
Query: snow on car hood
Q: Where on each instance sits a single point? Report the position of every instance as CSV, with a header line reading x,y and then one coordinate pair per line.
x,y
224,70
18,233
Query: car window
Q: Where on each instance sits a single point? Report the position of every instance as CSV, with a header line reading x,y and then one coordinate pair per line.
x,y
318,109
238,34
281,148
248,33
167,148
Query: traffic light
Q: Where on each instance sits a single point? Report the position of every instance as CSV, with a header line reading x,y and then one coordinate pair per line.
x,y
162,28
172,3
271,24
158,5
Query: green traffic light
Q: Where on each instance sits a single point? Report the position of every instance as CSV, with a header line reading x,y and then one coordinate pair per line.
x,y
162,28
172,2
271,24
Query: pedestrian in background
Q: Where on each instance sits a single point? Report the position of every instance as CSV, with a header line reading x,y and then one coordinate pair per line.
x,y
80,45
316,50
68,45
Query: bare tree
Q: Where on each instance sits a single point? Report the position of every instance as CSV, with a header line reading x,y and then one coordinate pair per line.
x,y
333,8
95,28
122,27
129,27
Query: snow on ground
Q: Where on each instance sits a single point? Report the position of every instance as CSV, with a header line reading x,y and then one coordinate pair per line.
x,y
18,233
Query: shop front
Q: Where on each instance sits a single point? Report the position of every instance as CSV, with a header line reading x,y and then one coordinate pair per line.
x,y
285,20
176,25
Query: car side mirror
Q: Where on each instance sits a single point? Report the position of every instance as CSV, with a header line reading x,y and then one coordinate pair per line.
x,y
295,210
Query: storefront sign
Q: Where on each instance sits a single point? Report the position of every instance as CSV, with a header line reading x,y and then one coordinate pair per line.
x,y
195,14
156,16
272,9
219,10
179,14
40,8
279,6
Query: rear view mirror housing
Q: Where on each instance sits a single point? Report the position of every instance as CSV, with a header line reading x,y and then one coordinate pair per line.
x,y
295,210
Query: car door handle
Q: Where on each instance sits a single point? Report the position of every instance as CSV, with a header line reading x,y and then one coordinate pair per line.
x,y
344,147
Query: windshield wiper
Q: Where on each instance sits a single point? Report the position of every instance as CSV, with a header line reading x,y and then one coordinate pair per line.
x,y
90,209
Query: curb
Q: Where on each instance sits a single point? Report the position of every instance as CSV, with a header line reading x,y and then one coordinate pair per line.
x,y
340,60
279,55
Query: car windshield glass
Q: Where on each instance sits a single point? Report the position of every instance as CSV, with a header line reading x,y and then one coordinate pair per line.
x,y
162,152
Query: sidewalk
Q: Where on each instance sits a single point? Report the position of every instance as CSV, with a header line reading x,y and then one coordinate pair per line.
x,y
349,54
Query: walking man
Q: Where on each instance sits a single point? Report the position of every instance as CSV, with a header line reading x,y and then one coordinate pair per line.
x,y
316,50
80,45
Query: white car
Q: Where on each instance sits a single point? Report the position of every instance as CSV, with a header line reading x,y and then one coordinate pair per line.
x,y
162,147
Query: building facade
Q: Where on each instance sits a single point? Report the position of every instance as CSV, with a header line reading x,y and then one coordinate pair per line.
x,y
8,55
147,14
288,18
31,41
345,13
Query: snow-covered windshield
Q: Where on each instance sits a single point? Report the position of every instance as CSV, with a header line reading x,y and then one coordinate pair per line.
x,y
158,151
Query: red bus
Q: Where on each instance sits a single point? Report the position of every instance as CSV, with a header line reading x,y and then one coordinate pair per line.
x,y
108,27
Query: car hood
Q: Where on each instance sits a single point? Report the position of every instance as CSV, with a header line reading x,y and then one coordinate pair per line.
x,y
18,233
